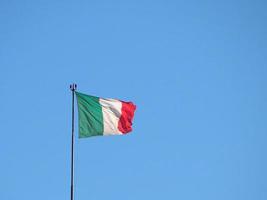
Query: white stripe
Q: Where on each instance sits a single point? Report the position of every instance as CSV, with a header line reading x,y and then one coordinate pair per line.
x,y
111,109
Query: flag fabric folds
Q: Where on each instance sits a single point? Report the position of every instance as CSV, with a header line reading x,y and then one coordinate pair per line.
x,y
101,116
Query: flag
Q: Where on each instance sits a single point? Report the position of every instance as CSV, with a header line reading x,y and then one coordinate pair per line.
x,y
101,116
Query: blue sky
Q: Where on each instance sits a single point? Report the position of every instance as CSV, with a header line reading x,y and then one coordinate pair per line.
x,y
195,69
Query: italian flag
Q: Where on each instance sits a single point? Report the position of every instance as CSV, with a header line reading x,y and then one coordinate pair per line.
x,y
100,116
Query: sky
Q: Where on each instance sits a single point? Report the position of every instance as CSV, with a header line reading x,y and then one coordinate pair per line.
x,y
197,71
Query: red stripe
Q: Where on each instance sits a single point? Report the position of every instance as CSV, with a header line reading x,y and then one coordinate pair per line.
x,y
127,114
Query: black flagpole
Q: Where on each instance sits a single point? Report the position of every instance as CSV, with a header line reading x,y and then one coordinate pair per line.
x,y
72,88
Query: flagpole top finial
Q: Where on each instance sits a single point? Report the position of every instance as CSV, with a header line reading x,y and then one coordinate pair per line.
x,y
73,87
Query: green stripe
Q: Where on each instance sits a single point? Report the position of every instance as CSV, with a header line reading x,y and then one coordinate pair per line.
x,y
90,115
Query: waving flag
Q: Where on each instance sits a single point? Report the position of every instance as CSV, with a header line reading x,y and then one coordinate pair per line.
x,y
100,116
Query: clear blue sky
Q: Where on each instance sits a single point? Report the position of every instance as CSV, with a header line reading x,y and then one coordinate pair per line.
x,y
197,71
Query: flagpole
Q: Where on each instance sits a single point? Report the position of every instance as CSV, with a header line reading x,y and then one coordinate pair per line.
x,y
72,88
